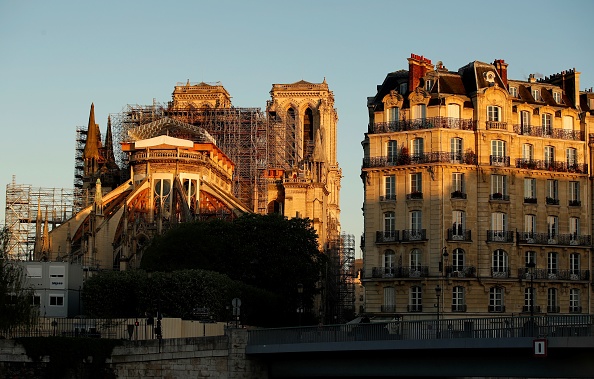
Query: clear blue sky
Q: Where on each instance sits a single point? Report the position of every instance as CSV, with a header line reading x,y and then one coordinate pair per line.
x,y
56,57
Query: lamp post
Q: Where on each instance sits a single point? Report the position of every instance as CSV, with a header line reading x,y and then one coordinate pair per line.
x,y
444,261
300,309
438,294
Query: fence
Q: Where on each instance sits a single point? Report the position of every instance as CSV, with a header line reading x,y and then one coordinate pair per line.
x,y
122,328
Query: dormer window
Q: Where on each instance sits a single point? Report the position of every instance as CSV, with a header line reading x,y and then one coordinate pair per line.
x,y
536,94
557,97
428,84
403,88
513,91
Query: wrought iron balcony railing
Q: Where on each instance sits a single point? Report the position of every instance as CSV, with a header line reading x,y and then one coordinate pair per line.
x,y
386,236
458,195
461,271
458,307
459,234
552,274
400,272
575,203
498,160
417,195
500,272
539,131
500,236
499,125
553,309
575,309
530,200
427,123
556,166
425,158
499,196
391,197
415,308
554,239
411,235
496,308
528,308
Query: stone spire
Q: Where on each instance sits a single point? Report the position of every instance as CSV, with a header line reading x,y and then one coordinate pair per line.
x,y
109,156
91,154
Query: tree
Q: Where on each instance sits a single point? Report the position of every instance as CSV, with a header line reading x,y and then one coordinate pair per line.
x,y
16,308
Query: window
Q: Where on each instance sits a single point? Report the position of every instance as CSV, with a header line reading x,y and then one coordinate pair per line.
x,y
552,228
458,184
529,225
552,192
415,259
390,187
416,183
529,299
416,299
529,257
417,149
458,302
498,153
416,227
527,152
496,299
458,260
456,150
419,111
574,230
552,264
493,113
499,187
389,221
392,151
536,94
56,300
499,227
552,302
403,88
389,262
499,264
513,91
34,272
571,159
549,156
525,121
453,111
428,84
557,97
393,114
389,300
574,194
574,265
36,300
458,225
574,301
529,190
547,126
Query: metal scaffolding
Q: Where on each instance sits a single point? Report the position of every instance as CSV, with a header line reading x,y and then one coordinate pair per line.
x,y
22,204
340,280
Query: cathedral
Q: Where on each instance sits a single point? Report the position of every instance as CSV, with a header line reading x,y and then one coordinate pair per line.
x,y
195,158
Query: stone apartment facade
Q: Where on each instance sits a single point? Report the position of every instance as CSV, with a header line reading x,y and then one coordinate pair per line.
x,y
477,193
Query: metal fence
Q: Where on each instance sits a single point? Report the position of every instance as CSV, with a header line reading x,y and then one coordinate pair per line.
x,y
493,327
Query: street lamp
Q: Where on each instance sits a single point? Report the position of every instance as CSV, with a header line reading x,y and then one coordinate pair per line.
x,y
300,309
438,294
443,263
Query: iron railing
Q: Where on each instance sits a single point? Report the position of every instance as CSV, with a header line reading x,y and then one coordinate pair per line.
x,y
539,131
553,239
483,328
461,271
500,236
400,272
411,235
386,236
556,166
553,274
459,234
430,157
426,123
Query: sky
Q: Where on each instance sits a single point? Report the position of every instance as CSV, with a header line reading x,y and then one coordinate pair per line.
x,y
58,57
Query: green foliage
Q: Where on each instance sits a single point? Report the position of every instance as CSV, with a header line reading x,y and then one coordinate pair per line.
x,y
266,251
68,353
15,300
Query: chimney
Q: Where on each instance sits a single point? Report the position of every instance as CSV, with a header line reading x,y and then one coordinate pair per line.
x,y
418,66
501,68
532,78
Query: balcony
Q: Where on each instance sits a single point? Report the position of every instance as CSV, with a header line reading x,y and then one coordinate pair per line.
x,y
459,308
499,196
527,309
458,195
414,308
530,200
495,125
553,309
500,236
498,160
427,123
500,272
496,308
555,166
539,131
461,271
551,201
575,309
412,235
400,272
431,157
388,308
575,203
416,195
553,274
553,239
459,234
388,198
386,236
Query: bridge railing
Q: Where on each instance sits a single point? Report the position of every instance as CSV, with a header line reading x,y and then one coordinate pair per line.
x,y
492,327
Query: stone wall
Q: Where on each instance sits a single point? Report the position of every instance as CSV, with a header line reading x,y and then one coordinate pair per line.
x,y
204,357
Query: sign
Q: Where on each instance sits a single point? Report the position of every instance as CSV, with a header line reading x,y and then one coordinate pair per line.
x,y
539,347
236,302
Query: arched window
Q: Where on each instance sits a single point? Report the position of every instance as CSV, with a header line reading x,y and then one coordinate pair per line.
x,y
291,145
308,132
274,207
499,267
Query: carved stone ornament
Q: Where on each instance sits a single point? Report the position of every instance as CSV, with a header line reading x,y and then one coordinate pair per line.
x,y
419,96
393,99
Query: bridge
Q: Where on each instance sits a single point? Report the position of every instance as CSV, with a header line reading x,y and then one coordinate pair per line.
x,y
527,347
